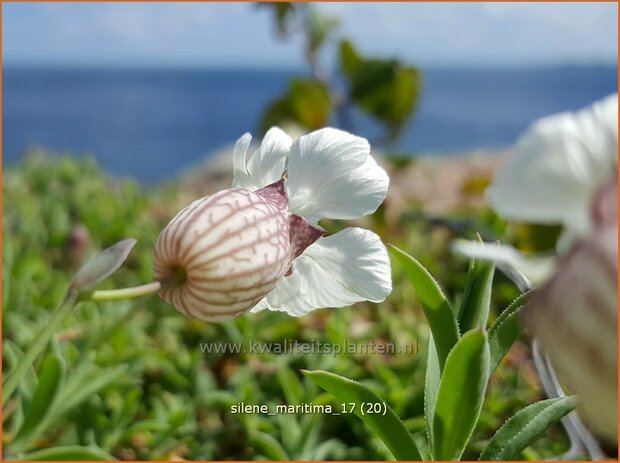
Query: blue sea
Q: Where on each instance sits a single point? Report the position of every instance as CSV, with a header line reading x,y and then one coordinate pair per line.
x,y
154,124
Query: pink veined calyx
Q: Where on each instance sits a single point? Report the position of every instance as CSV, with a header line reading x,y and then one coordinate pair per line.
x,y
258,245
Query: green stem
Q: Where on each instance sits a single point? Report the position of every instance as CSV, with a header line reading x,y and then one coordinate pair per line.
x,y
124,293
38,345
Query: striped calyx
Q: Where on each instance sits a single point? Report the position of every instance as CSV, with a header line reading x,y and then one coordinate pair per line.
x,y
223,253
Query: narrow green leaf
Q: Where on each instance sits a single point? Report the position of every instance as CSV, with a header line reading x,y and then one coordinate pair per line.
x,y
389,428
75,393
474,309
102,265
525,427
460,396
50,379
268,445
291,386
15,356
436,307
431,387
506,330
69,453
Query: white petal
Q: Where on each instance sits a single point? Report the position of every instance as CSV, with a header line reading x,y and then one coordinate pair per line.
x,y
332,175
557,165
267,163
336,271
240,172
524,270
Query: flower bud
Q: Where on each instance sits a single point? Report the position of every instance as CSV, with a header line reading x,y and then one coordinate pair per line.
x,y
223,253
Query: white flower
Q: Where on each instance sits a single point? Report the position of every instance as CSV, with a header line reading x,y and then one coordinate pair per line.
x,y
557,166
552,176
332,175
258,245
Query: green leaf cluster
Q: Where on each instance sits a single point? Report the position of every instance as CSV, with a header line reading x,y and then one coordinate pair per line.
x,y
462,355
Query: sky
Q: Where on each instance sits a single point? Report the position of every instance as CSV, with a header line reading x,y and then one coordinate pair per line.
x,y
243,35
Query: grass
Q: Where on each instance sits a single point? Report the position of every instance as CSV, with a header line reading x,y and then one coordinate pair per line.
x,y
138,384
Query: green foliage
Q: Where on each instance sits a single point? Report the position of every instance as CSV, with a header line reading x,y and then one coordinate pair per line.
x,y
476,303
506,330
307,103
387,427
70,453
431,389
385,89
525,427
461,392
49,382
437,309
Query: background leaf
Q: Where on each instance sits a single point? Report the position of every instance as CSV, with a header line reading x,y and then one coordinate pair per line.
x,y
461,393
70,453
526,427
50,380
386,427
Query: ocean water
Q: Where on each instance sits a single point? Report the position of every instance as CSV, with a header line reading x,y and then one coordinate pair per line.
x,y
154,124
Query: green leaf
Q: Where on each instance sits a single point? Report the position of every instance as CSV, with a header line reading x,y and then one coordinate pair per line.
x,y
102,265
50,379
268,445
310,102
460,396
350,60
525,427
69,453
506,330
385,89
306,103
436,307
431,387
389,428
76,392
15,356
474,309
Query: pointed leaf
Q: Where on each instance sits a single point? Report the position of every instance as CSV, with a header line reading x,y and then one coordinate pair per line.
x,y
102,265
389,428
506,330
50,379
436,307
460,396
268,445
431,387
525,427
70,453
474,310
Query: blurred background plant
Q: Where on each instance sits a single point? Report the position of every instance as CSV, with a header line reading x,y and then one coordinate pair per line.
x,y
387,90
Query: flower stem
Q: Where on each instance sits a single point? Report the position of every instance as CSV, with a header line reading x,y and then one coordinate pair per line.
x,y
38,345
124,293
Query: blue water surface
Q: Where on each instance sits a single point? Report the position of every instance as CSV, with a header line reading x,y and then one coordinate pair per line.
x,y
153,124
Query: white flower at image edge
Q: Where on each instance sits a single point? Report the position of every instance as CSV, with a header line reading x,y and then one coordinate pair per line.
x,y
258,245
330,175
551,178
